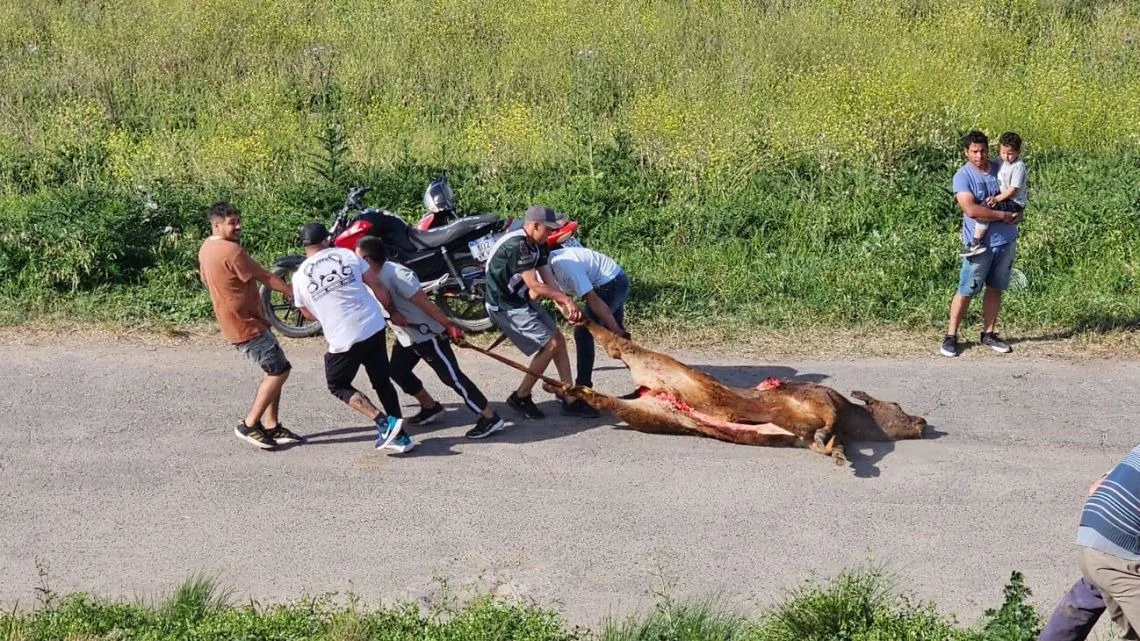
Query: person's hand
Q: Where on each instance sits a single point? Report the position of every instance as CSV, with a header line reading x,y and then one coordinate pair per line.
x,y
991,202
455,333
1016,218
1096,483
396,318
569,310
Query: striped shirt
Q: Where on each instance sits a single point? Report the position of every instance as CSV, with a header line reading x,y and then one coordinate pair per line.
x,y
1110,521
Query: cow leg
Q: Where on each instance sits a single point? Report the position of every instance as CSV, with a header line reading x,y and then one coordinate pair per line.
x,y
826,439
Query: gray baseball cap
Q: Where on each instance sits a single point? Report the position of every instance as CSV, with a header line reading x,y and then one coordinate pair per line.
x,y
546,216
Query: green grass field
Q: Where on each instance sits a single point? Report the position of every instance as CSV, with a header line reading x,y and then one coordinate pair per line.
x,y
774,163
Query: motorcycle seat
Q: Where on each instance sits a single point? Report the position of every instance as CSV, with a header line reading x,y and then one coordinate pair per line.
x,y
440,236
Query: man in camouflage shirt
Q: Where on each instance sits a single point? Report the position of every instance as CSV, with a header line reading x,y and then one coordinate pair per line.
x,y
513,289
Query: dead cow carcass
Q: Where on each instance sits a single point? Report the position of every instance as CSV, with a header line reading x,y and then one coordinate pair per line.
x,y
672,398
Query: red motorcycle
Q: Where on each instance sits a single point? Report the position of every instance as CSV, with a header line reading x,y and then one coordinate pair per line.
x,y
448,260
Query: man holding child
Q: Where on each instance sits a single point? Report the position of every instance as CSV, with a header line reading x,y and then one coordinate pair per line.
x,y
979,192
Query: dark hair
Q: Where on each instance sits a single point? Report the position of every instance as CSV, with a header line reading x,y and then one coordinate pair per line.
x,y
372,247
973,138
221,211
1010,139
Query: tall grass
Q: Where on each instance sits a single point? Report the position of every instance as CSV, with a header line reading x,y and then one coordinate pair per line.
x,y
755,161
859,605
232,90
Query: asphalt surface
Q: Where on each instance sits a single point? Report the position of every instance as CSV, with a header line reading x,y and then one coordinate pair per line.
x,y
120,475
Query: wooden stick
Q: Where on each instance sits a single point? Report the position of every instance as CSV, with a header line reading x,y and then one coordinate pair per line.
x,y
522,368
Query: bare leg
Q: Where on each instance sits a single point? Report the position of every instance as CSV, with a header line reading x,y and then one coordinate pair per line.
x,y
991,305
540,361
360,403
958,308
425,399
267,399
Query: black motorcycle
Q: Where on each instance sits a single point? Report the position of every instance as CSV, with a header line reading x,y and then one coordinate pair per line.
x,y
448,260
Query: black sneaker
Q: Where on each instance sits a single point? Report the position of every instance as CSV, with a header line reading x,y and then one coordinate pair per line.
x,y
525,406
255,435
973,249
281,434
579,408
991,340
950,345
485,427
426,415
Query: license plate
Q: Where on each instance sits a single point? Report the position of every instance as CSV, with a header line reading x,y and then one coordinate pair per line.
x,y
481,247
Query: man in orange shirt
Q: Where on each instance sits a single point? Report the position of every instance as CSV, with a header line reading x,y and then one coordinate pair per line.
x,y
231,276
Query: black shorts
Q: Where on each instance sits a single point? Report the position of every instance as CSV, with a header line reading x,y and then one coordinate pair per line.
x,y
341,368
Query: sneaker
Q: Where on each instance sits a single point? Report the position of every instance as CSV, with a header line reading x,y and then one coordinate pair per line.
x,y
579,408
525,406
485,427
950,345
426,415
973,249
281,434
991,340
402,443
255,435
392,428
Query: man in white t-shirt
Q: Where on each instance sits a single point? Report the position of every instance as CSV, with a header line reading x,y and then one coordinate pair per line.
x,y
603,284
337,288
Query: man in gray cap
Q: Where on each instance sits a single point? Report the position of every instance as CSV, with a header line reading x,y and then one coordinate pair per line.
x,y
513,289
337,288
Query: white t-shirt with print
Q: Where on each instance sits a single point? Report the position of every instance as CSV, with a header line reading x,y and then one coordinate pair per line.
x,y
577,270
330,283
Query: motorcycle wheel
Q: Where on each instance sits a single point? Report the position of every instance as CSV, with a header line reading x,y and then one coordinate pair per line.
x,y
285,318
467,310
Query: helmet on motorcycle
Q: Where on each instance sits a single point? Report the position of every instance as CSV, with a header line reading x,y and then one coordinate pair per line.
x,y
438,196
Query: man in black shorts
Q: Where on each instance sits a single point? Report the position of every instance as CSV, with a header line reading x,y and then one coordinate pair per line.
x,y
513,289
337,288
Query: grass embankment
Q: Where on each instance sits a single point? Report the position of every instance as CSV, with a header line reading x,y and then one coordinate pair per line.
x,y
855,606
753,164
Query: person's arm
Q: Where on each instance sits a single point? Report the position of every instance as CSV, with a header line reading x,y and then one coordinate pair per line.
x,y
602,311
248,269
371,278
539,289
981,213
419,299
1005,195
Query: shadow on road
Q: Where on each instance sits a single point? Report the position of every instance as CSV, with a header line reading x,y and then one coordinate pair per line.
x,y
750,375
864,456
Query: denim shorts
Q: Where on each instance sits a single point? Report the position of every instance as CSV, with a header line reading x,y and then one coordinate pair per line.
x,y
266,352
991,269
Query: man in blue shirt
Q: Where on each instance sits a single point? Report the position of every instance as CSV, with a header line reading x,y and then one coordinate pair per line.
x,y
1108,541
976,181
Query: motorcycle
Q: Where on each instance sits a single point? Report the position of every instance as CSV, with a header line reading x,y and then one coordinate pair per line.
x,y
439,201
448,260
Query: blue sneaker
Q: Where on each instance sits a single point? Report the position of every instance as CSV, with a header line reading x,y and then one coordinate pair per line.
x,y
392,429
403,443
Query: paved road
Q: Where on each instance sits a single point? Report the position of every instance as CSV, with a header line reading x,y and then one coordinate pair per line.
x,y
119,472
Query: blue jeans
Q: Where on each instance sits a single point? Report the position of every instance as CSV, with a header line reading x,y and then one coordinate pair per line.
x,y
613,294
1074,617
991,268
